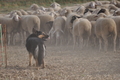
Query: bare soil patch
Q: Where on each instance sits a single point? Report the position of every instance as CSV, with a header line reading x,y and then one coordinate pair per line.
x,y
62,63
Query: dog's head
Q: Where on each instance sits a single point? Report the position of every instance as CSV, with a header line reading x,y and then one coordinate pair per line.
x,y
41,34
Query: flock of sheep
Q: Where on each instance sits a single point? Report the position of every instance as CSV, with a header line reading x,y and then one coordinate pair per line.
x,y
83,25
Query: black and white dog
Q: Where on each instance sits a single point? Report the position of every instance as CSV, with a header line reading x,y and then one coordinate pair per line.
x,y
36,48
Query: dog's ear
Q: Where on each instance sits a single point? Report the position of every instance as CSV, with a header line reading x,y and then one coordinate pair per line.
x,y
34,31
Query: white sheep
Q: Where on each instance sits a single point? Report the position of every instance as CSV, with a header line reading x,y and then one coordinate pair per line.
x,y
81,31
34,7
116,12
55,6
12,27
104,28
57,30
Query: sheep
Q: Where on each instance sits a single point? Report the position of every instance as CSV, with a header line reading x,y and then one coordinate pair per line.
x,y
34,7
23,12
116,13
113,7
55,6
38,12
92,4
57,30
12,27
104,28
80,10
65,12
117,21
106,11
117,4
93,36
81,30
44,19
94,17
15,12
27,23
68,26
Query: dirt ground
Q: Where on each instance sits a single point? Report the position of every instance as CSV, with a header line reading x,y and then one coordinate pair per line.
x,y
63,63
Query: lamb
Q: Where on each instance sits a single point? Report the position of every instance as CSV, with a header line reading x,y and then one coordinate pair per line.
x,y
104,28
81,30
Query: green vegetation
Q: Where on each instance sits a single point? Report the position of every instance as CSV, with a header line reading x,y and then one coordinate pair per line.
x,y
8,5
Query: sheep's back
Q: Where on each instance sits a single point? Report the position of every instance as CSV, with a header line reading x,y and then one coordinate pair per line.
x,y
105,26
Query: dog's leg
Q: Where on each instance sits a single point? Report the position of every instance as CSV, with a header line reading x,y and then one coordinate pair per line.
x,y
30,59
43,64
36,62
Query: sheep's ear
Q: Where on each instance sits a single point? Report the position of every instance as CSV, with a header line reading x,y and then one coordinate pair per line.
x,y
116,12
65,11
96,16
78,16
73,18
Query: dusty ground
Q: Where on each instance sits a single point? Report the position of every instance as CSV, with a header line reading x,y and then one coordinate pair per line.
x,y
63,63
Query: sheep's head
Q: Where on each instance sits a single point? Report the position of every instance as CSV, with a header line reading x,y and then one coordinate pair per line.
x,y
73,18
34,7
54,5
86,10
16,18
101,11
116,13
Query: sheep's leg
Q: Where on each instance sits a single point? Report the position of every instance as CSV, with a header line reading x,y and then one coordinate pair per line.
x,y
81,42
21,37
94,42
119,42
100,43
74,41
13,38
105,42
87,41
8,39
57,38
114,43
69,39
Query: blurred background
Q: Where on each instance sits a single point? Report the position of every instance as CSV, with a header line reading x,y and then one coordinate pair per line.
x,y
8,5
